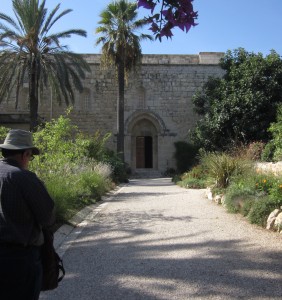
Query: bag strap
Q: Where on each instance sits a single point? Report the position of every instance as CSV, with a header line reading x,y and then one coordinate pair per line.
x,y
61,267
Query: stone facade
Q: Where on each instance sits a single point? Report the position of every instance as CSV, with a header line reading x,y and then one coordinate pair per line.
x,y
158,105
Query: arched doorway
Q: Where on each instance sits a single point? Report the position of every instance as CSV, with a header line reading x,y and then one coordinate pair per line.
x,y
144,145
144,152
143,129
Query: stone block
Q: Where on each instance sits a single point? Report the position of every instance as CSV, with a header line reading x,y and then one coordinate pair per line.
x,y
271,219
278,222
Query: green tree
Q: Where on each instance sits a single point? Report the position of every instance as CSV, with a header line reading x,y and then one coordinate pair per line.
x,y
273,150
30,51
121,48
238,108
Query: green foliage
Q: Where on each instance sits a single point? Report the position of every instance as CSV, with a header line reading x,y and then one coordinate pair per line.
x,y
241,193
254,195
251,193
31,49
260,211
3,133
268,152
94,184
247,205
72,165
270,188
193,183
117,29
275,192
94,146
185,155
238,108
275,145
264,183
119,169
254,151
221,167
196,178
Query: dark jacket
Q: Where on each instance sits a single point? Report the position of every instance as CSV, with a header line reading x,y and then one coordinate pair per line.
x,y
25,205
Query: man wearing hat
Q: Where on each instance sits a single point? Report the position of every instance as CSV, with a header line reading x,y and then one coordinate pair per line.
x,y
25,208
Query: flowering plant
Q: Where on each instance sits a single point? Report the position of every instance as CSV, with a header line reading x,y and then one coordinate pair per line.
x,y
264,185
172,13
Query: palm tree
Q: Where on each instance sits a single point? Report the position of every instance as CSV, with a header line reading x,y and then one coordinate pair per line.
x,y
121,48
30,52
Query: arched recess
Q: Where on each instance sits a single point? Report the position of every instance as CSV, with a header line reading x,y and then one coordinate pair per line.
x,y
144,114
142,130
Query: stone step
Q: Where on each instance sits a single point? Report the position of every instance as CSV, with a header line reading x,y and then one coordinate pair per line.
x,y
146,173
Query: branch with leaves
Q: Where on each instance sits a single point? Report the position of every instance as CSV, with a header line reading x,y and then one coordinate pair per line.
x,y
172,13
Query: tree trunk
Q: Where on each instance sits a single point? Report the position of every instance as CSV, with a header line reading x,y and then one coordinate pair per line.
x,y
33,95
120,111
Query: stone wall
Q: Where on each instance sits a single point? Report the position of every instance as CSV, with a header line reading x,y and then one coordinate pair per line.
x,y
270,167
158,102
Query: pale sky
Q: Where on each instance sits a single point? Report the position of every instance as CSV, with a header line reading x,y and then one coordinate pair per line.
x,y
255,25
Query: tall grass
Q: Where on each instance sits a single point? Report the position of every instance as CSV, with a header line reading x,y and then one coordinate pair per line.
x,y
221,167
71,165
77,185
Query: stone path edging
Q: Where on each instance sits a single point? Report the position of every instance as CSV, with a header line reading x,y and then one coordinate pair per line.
x,y
67,233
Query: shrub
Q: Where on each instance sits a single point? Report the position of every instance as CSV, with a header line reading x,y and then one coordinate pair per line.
x,y
275,192
260,210
185,155
119,168
268,152
196,178
198,172
74,185
247,205
221,167
254,151
265,182
275,145
237,194
69,165
3,133
93,146
193,183
67,200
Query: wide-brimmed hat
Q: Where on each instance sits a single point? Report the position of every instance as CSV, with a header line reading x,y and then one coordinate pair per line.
x,y
18,139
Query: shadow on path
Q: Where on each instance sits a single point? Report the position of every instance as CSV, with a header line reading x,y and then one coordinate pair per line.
x,y
121,256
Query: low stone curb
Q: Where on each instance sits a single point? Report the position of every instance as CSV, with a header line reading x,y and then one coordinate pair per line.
x,y
68,232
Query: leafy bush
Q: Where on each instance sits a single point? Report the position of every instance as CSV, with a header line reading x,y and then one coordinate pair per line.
x,y
275,192
221,167
69,166
238,194
196,178
268,152
254,196
247,205
3,133
119,168
193,183
265,182
274,149
238,107
260,210
185,155
254,151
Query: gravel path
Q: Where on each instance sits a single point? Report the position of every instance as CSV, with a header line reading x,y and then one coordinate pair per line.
x,y
155,240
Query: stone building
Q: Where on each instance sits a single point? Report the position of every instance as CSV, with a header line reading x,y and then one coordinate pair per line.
x,y
158,106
